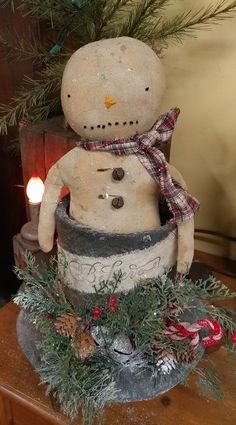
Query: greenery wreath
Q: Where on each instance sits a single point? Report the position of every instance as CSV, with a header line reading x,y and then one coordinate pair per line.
x,y
78,356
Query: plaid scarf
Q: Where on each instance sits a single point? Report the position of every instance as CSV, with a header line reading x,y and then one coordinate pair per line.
x,y
181,204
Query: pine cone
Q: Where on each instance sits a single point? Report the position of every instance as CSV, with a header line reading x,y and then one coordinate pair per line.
x,y
59,286
186,356
165,361
155,347
83,345
66,324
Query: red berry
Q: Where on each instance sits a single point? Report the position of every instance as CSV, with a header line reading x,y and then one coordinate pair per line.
x,y
233,336
112,303
97,312
112,309
113,300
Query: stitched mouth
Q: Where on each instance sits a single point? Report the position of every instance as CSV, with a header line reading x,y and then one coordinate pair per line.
x,y
110,124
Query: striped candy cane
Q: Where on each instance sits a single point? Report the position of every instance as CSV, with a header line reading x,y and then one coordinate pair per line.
x,y
183,330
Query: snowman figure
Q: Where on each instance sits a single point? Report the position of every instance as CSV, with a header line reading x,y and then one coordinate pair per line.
x,y
111,97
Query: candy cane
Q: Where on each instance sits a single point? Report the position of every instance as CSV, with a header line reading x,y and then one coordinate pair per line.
x,y
183,330
217,332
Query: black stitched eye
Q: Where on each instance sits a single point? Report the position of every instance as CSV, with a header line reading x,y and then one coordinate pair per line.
x,y
68,95
147,89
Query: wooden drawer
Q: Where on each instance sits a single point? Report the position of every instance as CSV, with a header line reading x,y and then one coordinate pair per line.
x,y
13,412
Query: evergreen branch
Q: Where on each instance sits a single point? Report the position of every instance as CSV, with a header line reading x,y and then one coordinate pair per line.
x,y
111,7
208,383
74,384
35,99
110,11
145,8
109,286
212,289
153,7
40,293
185,23
48,9
115,26
23,49
130,16
4,3
222,316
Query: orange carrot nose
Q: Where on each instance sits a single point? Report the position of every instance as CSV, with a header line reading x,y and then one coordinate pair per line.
x,y
109,102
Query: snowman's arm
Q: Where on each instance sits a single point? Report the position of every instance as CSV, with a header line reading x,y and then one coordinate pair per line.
x,y
51,196
185,233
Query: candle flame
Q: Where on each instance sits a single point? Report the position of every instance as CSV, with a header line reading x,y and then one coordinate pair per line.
x,y
35,189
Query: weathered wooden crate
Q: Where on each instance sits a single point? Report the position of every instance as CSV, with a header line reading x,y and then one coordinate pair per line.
x,y
44,143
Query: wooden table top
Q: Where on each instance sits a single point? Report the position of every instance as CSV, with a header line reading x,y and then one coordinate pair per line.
x,y
181,405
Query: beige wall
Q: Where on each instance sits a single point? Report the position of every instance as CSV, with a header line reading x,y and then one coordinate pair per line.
x,y
201,77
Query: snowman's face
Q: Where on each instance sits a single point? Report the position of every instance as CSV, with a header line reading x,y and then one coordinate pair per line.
x,y
112,89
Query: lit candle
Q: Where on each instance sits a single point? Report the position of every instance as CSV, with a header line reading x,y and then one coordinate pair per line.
x,y
34,191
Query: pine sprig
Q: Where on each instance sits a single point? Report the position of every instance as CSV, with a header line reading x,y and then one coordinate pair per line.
x,y
184,24
213,289
39,293
72,384
111,9
208,383
145,10
206,380
4,3
50,11
35,99
20,49
222,316
109,286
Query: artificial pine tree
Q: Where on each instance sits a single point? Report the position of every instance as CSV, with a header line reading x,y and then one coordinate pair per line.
x,y
69,24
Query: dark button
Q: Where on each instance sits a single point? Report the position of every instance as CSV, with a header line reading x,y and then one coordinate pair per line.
x,y
118,202
118,173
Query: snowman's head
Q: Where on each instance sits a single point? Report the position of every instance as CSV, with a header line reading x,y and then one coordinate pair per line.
x,y
112,89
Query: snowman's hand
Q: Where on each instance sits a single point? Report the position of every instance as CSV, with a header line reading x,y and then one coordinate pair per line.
x,y
185,233
51,196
